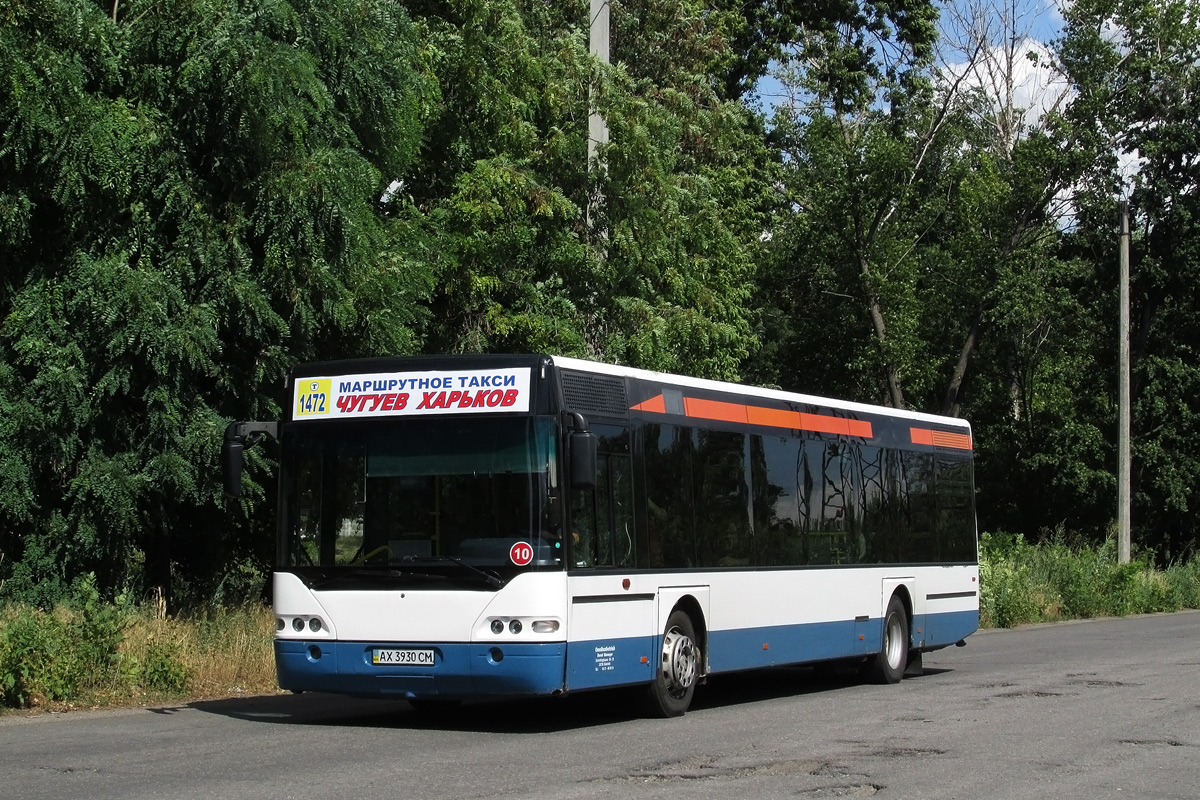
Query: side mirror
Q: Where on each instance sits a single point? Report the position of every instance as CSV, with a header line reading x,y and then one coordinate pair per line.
x,y
231,461
583,460
239,436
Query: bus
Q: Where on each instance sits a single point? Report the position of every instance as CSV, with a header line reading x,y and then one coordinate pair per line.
x,y
484,526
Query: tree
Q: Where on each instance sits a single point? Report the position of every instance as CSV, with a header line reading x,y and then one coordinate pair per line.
x,y
931,188
659,275
190,205
872,158
764,32
502,181
1135,68
687,184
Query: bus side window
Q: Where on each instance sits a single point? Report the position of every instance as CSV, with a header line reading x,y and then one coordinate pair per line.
x,y
669,507
605,527
955,520
919,506
602,518
777,498
722,498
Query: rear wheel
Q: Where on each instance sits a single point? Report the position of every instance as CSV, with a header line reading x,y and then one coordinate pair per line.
x,y
888,664
679,664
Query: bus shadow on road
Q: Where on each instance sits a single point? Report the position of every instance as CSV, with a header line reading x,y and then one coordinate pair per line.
x,y
780,683
536,715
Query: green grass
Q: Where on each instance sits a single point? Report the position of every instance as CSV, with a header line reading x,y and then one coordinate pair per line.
x,y
1056,580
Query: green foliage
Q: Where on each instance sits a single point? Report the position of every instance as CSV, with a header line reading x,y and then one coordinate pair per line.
x,y
1136,64
101,626
163,670
1008,595
197,194
89,651
191,204
645,258
1183,584
686,189
53,656
38,662
1058,579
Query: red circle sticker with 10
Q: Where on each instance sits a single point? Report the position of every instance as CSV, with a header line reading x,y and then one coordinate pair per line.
x,y
521,554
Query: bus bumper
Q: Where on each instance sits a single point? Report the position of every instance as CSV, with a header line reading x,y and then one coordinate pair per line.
x,y
458,671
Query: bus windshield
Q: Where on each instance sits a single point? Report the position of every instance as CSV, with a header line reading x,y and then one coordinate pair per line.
x,y
418,492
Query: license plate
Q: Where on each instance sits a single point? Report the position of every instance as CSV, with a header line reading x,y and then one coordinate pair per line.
x,y
405,657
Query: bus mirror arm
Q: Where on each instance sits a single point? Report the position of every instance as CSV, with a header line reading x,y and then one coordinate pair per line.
x,y
239,436
582,452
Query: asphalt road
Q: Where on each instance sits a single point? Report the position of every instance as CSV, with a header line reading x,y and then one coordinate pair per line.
x,y
1098,709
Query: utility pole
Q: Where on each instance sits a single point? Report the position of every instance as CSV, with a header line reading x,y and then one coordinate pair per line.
x,y
1124,458
597,127
598,47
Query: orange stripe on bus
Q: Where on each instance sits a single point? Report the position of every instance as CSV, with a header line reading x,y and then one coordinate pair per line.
x,y
839,425
766,417
957,441
655,404
921,436
714,409
773,417
960,441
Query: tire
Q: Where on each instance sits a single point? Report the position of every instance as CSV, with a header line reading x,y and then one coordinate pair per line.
x,y
678,669
887,666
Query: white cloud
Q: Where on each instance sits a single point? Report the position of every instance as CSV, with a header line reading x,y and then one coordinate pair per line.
x,y
1018,80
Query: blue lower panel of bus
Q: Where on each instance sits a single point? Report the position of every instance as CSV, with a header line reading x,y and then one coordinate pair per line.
x,y
751,648
951,627
612,662
458,670
789,644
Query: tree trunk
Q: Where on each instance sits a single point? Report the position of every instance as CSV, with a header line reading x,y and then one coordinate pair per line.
x,y
952,404
891,373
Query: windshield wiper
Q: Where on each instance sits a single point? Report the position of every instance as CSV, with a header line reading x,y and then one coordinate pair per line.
x,y
492,579
378,574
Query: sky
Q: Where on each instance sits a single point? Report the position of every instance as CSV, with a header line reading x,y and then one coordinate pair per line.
x,y
1020,33
1035,23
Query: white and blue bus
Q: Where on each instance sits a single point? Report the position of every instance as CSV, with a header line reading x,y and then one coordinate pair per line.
x,y
483,526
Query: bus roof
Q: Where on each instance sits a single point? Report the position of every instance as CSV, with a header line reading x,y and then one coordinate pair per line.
x,y
757,391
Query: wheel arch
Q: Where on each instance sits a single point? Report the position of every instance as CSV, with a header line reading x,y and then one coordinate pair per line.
x,y
902,592
691,606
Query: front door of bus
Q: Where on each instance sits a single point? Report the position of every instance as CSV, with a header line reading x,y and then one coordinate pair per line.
x,y
611,627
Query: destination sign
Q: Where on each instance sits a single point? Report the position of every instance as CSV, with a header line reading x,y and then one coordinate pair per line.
x,y
391,394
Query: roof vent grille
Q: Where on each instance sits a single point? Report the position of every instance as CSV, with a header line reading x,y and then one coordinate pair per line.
x,y
597,394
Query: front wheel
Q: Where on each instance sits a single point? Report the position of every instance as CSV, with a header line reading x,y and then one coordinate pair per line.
x,y
679,664
888,664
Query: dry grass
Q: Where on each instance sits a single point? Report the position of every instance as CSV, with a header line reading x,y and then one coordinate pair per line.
x,y
238,659
157,659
